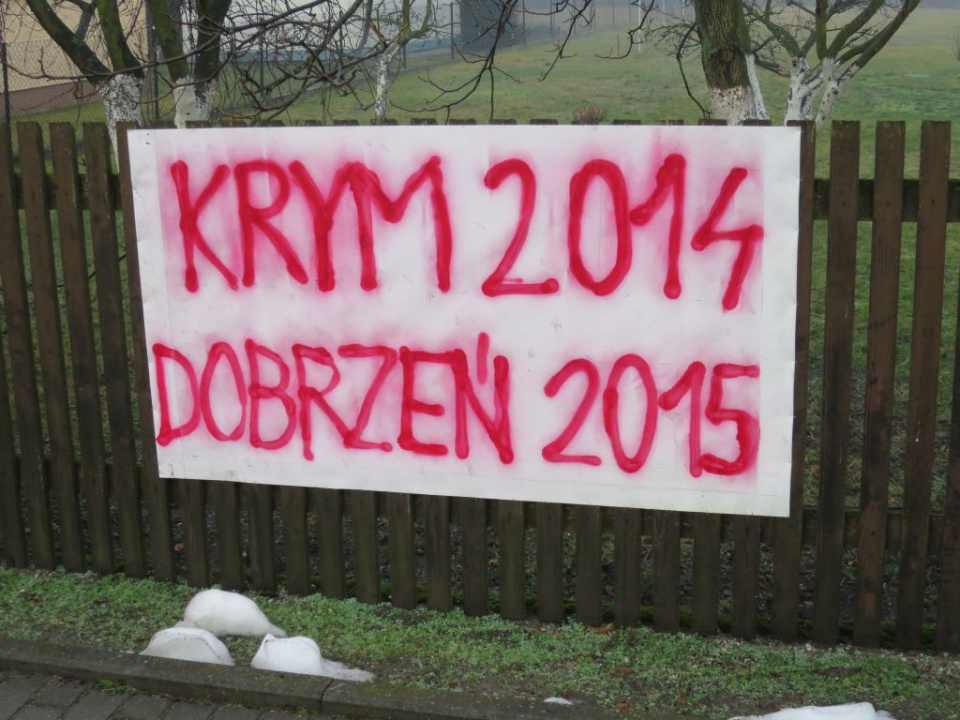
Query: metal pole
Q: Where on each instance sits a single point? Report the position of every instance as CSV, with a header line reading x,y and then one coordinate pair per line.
x,y
523,20
7,116
262,51
451,32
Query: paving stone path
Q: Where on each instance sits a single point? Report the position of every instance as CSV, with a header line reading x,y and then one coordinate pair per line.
x,y
40,697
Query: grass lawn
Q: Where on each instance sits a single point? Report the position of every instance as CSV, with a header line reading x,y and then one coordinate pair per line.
x,y
633,669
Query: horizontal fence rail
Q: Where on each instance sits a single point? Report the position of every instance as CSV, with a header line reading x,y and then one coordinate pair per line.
x,y
871,549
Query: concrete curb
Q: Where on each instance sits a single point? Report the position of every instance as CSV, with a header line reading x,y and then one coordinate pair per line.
x,y
255,688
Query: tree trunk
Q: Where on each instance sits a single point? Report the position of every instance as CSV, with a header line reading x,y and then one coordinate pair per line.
x,y
383,80
832,84
800,93
121,96
724,52
192,101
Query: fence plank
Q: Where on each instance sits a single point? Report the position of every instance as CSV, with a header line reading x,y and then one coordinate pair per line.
x,y
746,575
838,350
363,513
17,308
156,489
513,582
86,381
787,538
588,590
746,554
948,601
328,508
263,569
881,362
924,366
53,371
403,588
473,524
628,576
110,293
226,502
666,571
14,540
193,519
706,573
293,511
550,562
436,523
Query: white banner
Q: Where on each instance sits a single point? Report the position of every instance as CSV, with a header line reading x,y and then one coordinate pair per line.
x,y
596,315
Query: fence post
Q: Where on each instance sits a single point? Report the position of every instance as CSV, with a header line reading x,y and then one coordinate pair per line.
x,y
6,82
451,32
523,20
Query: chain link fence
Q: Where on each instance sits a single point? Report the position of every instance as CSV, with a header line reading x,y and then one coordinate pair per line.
x,y
39,82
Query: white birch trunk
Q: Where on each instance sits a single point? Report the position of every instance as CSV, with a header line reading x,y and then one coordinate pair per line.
x,y
734,105
121,95
831,92
759,106
192,101
739,104
800,93
383,79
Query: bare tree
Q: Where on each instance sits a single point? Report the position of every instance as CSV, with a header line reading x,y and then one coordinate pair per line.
x,y
818,45
821,48
395,31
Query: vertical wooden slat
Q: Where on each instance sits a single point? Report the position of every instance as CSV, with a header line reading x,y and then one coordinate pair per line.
x,y
328,508
746,575
473,525
838,351
114,346
403,587
588,590
226,502
50,341
881,362
924,370
666,571
706,573
513,583
746,554
550,562
948,601
17,309
263,570
156,489
437,530
628,576
706,552
73,255
363,513
193,520
14,540
787,537
293,510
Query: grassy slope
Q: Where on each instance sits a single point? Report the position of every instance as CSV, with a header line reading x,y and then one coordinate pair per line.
x,y
707,677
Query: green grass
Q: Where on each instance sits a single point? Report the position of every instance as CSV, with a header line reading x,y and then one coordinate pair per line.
x,y
653,673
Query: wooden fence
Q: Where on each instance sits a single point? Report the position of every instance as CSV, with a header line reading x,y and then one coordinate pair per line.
x,y
79,484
